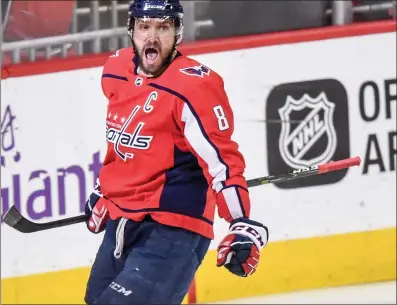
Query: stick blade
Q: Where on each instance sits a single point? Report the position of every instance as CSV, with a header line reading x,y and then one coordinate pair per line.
x,y
12,216
15,220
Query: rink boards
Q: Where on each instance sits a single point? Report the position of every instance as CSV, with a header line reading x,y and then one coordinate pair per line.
x,y
298,99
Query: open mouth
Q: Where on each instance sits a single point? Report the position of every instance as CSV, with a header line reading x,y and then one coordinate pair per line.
x,y
151,54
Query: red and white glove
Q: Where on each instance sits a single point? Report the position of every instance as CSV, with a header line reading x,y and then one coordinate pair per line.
x,y
239,251
95,208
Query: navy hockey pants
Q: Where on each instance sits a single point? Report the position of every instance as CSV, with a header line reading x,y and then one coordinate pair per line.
x,y
156,265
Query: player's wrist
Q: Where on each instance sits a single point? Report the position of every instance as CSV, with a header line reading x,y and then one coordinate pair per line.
x,y
254,230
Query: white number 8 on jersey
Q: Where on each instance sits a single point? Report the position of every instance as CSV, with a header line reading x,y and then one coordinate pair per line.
x,y
220,115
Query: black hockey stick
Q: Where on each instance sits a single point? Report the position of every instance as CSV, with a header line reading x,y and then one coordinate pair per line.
x,y
14,219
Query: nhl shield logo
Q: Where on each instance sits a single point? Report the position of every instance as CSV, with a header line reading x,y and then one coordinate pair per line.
x,y
308,135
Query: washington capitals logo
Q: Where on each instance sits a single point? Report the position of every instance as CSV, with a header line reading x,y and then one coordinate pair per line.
x,y
199,71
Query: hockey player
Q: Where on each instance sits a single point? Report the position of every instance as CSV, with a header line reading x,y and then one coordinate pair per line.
x,y
170,161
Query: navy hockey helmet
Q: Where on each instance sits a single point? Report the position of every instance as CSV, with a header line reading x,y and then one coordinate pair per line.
x,y
162,9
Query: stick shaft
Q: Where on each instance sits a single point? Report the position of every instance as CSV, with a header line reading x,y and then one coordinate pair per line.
x,y
310,171
14,219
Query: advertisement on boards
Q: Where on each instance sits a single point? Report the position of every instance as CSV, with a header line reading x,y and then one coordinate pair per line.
x,y
378,105
313,129
314,126
42,193
51,149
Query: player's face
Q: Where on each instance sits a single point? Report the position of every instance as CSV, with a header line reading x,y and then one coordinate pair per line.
x,y
154,40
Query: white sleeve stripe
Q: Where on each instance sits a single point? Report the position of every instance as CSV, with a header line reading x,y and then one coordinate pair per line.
x,y
233,202
236,187
188,115
217,169
240,201
195,134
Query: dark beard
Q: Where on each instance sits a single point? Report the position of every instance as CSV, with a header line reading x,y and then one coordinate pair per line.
x,y
163,66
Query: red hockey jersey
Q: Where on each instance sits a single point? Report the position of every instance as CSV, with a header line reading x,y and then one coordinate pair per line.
x,y
170,152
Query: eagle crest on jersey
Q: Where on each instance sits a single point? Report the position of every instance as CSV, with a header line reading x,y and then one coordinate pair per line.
x,y
196,71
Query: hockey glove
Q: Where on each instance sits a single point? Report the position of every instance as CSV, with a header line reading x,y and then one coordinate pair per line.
x,y
95,209
239,251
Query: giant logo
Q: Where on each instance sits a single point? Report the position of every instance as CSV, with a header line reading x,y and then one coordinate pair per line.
x,y
41,192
